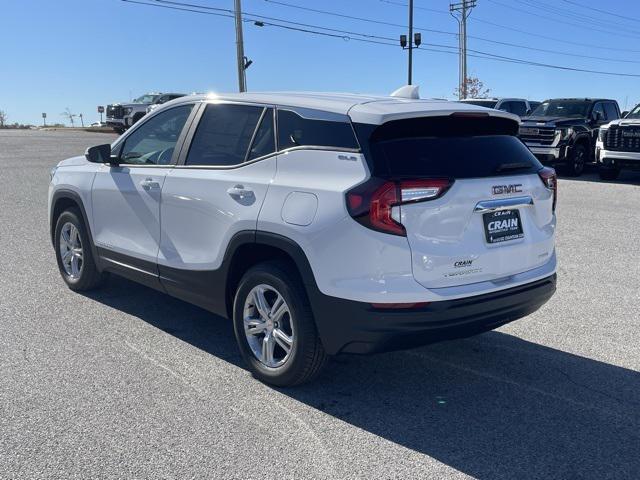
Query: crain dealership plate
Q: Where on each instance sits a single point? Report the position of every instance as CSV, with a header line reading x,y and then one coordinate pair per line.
x,y
502,226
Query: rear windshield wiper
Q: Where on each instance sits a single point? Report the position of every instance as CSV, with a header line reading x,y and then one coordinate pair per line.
x,y
513,166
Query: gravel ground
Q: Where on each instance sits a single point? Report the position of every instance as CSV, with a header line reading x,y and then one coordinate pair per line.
x,y
128,383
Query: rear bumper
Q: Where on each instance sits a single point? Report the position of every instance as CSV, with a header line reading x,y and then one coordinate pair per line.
x,y
347,326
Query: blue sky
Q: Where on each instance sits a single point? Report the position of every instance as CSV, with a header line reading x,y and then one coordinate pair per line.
x,y
83,53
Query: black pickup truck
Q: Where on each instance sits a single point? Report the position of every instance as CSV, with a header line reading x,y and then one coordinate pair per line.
x,y
563,132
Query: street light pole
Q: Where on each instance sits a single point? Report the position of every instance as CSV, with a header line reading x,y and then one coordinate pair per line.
x,y
242,79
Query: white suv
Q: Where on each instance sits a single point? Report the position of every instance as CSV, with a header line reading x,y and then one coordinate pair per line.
x,y
320,223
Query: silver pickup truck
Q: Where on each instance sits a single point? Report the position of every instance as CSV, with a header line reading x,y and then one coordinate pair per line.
x,y
121,116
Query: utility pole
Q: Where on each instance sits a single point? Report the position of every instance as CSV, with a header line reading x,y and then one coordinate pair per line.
x,y
414,41
461,11
242,78
410,41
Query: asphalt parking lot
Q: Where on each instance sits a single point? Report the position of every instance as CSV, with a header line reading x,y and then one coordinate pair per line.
x,y
125,382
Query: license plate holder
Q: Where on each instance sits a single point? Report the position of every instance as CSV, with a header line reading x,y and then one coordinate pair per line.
x,y
502,226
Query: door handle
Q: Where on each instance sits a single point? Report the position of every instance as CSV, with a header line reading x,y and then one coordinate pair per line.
x,y
240,192
149,184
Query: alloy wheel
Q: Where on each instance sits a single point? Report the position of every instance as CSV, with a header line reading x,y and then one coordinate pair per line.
x,y
71,252
267,326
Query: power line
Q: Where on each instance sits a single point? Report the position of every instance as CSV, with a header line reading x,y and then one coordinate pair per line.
x,y
265,23
264,17
476,19
557,20
571,12
570,2
442,32
375,40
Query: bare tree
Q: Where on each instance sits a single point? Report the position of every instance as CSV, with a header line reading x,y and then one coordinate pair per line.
x,y
81,120
3,118
67,113
474,89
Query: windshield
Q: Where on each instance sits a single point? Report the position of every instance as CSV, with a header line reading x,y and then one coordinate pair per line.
x,y
483,103
562,108
635,113
146,99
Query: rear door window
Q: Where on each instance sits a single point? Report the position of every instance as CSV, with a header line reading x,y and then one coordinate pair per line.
x,y
294,130
223,135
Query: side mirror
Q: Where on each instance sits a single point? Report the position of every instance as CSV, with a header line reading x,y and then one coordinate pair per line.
x,y
597,116
624,114
99,154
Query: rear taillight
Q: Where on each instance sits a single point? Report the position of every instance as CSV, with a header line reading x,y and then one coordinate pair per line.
x,y
550,179
376,203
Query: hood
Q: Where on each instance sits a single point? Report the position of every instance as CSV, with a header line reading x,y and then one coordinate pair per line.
x,y
552,121
73,161
623,122
128,104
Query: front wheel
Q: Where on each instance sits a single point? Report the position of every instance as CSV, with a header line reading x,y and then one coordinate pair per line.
x,y
73,252
275,328
577,160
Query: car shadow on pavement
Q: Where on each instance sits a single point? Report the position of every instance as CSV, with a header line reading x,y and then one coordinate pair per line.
x,y
492,406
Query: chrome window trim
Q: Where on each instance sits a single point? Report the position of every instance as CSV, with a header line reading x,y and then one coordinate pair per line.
x,y
264,157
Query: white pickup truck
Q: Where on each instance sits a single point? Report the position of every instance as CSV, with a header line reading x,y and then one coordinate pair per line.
x,y
121,116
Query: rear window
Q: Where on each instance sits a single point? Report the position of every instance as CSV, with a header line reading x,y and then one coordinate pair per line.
x,y
456,157
451,147
295,131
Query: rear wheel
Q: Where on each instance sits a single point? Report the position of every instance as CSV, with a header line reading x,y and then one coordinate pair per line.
x,y
73,252
577,160
609,173
275,328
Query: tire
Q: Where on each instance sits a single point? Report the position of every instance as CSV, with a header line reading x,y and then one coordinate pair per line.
x,y
609,173
80,273
136,118
306,356
577,160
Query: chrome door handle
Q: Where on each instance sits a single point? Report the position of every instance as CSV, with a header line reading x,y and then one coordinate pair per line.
x,y
503,204
149,184
240,192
